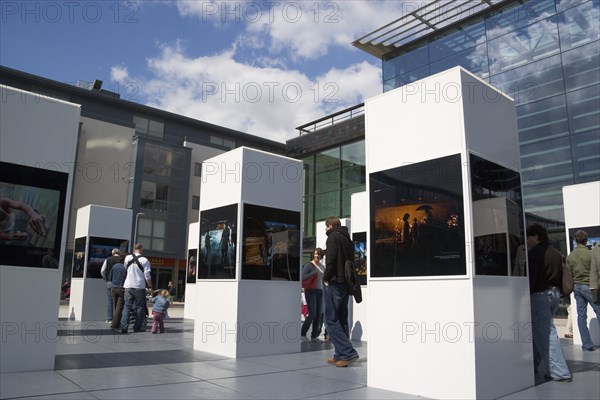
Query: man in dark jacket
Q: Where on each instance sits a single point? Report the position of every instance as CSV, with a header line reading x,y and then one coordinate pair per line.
x,y
339,249
105,272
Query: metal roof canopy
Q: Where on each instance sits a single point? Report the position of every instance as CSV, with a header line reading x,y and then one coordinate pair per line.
x,y
430,18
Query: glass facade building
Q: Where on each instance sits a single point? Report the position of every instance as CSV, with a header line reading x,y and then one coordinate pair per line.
x,y
546,55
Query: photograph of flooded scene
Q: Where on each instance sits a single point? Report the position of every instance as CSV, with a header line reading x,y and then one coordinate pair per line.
x,y
100,249
359,239
192,262
218,243
417,220
593,233
271,244
497,219
32,207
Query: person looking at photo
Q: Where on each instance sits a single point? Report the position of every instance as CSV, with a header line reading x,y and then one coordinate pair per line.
x,y
8,218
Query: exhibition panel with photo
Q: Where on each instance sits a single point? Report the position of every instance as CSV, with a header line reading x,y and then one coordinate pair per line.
x,y
32,205
417,226
218,243
497,219
99,250
271,244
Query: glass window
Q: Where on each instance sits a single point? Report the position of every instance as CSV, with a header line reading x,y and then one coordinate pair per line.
x,y
586,156
159,228
527,45
579,25
147,195
474,60
542,120
353,164
517,16
195,202
347,199
197,169
309,170
584,110
326,205
562,5
547,161
309,215
458,41
144,226
411,76
582,66
531,82
222,141
400,65
327,170
148,126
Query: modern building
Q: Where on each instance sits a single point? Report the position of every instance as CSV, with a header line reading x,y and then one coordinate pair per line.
x,y
141,158
543,53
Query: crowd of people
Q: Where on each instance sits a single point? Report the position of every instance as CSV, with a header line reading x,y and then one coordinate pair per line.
x,y
326,292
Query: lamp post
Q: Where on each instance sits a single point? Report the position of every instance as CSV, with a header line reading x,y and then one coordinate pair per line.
x,y
137,220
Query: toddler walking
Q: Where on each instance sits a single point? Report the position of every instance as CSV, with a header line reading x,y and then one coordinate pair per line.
x,y
159,310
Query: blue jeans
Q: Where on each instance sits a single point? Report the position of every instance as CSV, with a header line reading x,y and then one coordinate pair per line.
x,y
336,320
137,296
547,350
314,300
583,297
109,302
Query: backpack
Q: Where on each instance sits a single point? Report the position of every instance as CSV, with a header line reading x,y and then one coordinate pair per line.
x,y
352,280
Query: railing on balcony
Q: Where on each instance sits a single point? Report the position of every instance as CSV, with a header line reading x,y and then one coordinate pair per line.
x,y
332,119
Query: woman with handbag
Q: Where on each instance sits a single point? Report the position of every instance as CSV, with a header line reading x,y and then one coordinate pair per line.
x,y
312,283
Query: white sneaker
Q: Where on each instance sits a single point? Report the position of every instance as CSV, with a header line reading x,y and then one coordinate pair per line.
x,y
304,339
316,340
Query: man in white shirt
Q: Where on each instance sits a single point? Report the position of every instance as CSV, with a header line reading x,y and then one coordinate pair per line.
x,y
138,279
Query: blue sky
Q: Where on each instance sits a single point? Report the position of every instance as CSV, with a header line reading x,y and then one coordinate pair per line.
x,y
259,67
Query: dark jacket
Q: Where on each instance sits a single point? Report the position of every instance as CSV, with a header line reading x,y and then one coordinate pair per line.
x,y
338,249
545,268
110,261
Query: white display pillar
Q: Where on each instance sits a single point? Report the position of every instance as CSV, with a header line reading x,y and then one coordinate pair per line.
x,y
39,139
97,228
189,305
582,212
436,328
360,223
248,287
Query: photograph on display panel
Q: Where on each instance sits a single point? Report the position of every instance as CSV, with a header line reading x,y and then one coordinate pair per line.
x,y
593,233
218,243
192,262
32,206
498,211
99,250
79,257
360,256
417,220
271,244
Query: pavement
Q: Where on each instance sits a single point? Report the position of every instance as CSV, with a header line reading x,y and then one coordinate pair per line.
x,y
93,362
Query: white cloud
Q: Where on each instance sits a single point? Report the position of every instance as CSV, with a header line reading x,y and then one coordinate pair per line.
x,y
252,86
301,29
264,101
119,74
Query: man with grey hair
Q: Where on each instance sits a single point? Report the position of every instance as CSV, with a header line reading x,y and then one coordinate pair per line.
x,y
579,261
105,272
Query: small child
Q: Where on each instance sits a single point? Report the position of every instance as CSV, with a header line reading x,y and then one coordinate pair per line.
x,y
161,303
